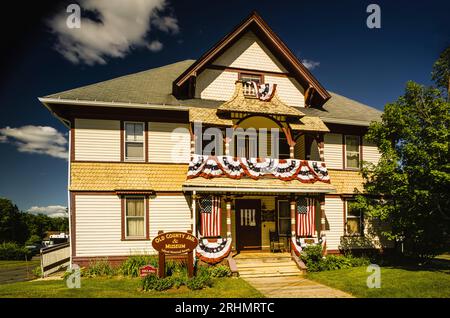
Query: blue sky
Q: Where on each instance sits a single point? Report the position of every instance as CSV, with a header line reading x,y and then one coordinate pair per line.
x,y
369,65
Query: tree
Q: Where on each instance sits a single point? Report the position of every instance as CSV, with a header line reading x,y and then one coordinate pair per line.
x,y
441,72
12,223
409,186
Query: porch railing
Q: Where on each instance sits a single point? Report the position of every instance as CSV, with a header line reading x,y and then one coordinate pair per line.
x,y
236,168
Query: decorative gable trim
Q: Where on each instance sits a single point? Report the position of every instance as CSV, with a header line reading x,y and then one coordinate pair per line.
x,y
184,85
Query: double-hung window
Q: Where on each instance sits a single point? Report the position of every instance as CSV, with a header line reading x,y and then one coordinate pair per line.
x,y
135,217
134,141
352,154
354,220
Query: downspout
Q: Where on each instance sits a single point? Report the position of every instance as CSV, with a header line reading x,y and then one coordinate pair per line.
x,y
69,201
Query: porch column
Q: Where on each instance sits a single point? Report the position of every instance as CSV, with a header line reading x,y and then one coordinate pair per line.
x,y
293,203
322,214
194,213
228,206
227,145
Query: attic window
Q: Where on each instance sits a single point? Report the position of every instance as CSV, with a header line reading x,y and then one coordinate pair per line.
x,y
249,89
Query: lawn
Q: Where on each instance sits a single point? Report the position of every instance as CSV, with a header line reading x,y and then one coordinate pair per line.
x,y
15,264
406,281
121,287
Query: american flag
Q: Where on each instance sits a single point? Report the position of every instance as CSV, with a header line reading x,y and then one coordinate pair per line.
x,y
306,217
210,211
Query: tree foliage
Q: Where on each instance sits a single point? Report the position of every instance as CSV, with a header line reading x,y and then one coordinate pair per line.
x,y
409,186
20,227
441,72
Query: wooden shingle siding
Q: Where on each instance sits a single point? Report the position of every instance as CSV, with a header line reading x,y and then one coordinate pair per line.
x,y
167,145
215,84
288,89
333,151
98,228
334,212
370,152
169,213
97,140
250,53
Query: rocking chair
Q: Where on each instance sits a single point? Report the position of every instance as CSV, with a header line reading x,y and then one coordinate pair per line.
x,y
275,243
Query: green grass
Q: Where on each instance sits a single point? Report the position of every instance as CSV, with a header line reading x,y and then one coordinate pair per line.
x,y
122,287
396,282
15,264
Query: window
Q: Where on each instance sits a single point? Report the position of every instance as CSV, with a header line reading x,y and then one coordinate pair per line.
x,y
135,217
212,143
284,218
352,152
249,90
134,141
354,220
246,144
284,149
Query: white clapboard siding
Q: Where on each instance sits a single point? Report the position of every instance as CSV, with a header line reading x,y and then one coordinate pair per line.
x,y
333,151
98,224
98,228
370,152
288,89
250,53
215,84
169,213
168,142
334,212
97,140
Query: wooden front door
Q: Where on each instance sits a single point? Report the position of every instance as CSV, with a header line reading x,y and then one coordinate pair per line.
x,y
248,224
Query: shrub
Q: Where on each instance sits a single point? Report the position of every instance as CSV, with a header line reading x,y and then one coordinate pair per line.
x,y
220,271
37,272
100,267
199,282
132,265
152,282
13,252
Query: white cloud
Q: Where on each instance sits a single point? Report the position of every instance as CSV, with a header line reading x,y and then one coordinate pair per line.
x,y
52,211
36,139
310,64
155,46
124,25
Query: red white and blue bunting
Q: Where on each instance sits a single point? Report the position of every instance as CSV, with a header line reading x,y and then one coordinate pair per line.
x,y
265,91
213,251
236,168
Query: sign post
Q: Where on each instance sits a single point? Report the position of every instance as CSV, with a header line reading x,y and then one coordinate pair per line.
x,y
175,243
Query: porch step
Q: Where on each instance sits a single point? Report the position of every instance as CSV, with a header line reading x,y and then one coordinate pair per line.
x,y
267,265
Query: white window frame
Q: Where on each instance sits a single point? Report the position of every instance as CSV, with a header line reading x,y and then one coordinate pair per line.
x,y
144,141
283,218
345,153
128,237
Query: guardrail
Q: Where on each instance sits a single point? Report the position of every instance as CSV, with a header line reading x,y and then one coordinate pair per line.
x,y
54,258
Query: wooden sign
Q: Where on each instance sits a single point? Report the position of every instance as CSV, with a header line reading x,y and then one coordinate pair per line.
x,y
146,270
175,243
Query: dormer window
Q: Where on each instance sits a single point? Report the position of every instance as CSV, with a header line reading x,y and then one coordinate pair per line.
x,y
249,88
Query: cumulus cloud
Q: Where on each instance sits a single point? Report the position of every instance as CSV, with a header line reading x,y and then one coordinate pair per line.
x,y
310,64
36,139
53,211
155,46
117,27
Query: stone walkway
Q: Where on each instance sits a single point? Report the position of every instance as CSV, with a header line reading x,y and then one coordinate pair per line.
x,y
294,287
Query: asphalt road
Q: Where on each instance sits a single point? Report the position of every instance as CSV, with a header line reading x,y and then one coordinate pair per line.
x,y
17,274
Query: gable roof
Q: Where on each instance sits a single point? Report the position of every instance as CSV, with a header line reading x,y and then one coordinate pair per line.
x,y
154,86
255,23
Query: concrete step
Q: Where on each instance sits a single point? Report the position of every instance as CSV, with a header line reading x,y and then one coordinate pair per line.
x,y
264,260
262,275
265,265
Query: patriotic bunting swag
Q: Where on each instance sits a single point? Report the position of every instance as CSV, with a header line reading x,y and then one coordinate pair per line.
x,y
211,248
236,168
264,92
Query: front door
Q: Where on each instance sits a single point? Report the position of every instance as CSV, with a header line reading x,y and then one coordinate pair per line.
x,y
248,224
